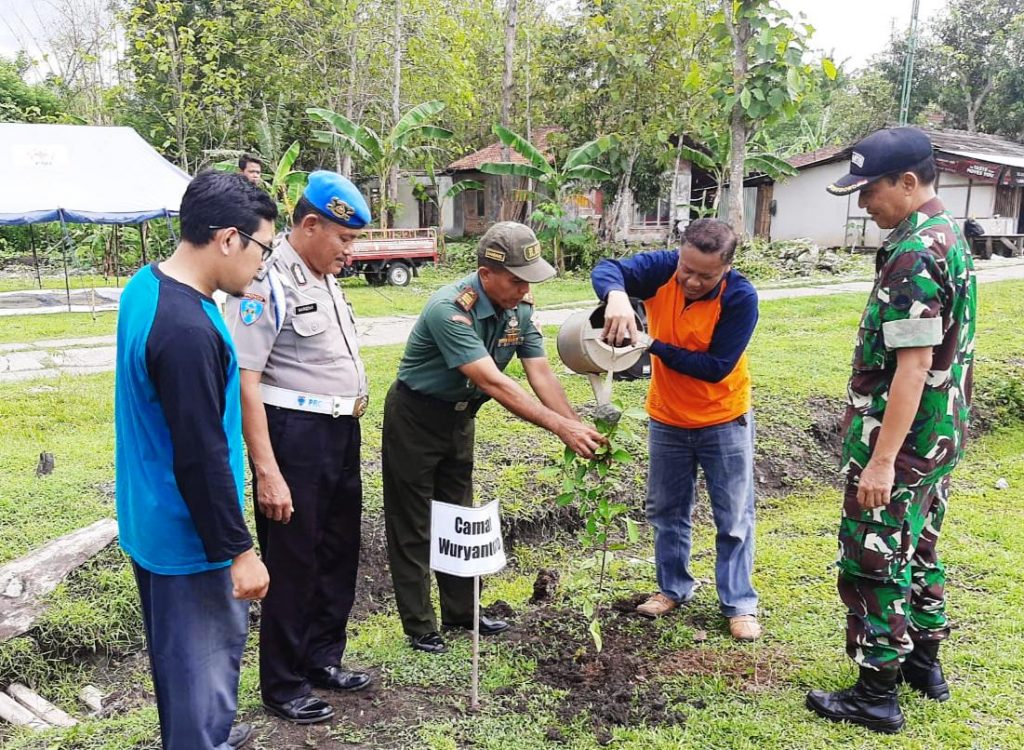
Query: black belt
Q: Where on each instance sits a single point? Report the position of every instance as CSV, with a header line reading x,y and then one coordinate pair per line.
x,y
468,407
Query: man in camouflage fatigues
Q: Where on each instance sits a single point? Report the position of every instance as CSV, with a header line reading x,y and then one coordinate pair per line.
x,y
908,405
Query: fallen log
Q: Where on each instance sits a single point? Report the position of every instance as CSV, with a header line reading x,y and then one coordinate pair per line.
x,y
15,713
41,707
25,582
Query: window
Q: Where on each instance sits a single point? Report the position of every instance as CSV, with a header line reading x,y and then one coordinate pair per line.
x,y
481,206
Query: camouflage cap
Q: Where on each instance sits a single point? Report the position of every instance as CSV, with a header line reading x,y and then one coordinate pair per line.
x,y
516,247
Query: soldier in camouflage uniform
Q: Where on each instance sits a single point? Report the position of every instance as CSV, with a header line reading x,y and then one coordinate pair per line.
x,y
908,405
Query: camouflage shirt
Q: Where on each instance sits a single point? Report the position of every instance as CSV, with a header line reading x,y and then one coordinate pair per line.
x,y
924,295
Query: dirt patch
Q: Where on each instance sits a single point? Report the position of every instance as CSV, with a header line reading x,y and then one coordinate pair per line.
x,y
748,670
787,454
615,686
361,720
374,591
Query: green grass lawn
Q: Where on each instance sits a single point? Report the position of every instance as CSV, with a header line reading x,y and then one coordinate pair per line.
x,y
801,351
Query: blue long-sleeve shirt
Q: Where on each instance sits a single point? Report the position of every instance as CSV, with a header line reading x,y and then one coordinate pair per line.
x,y
641,276
178,427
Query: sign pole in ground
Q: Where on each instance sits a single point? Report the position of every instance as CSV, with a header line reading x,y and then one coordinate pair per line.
x,y
466,542
474,692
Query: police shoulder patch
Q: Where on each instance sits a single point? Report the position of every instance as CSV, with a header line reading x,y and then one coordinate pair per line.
x,y
467,298
251,307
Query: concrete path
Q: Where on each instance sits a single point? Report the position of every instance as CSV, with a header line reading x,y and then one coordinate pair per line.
x,y
85,356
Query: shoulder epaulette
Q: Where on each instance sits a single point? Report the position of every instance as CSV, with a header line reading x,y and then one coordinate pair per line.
x,y
467,298
528,299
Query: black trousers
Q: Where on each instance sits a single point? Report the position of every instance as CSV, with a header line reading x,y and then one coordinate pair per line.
x,y
427,453
313,559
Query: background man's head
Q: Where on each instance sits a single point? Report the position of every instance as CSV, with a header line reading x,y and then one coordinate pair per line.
x,y
251,168
705,256
509,260
221,216
328,218
894,170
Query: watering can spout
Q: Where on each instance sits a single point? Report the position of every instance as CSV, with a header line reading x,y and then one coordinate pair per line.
x,y
583,350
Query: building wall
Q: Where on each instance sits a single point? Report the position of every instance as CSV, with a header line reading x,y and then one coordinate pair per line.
x,y
408,216
803,208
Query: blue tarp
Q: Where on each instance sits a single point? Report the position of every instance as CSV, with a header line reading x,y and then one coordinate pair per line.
x,y
87,174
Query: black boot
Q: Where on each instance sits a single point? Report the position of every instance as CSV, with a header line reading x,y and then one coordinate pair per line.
x,y
871,702
923,672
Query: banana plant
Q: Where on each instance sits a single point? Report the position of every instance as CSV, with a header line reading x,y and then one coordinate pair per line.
x,y
716,161
412,139
554,184
285,184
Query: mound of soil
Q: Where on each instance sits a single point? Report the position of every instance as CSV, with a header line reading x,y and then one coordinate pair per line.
x,y
809,454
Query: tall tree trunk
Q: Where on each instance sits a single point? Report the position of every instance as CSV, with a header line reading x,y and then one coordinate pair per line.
x,y
529,127
739,31
505,183
396,114
345,160
613,219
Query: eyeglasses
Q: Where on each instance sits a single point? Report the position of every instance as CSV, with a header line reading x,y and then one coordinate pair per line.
x,y
267,249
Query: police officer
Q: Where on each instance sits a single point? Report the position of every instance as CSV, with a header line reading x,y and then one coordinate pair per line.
x,y
303,391
905,426
453,362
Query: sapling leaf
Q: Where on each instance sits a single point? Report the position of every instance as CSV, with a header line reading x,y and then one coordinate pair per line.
x,y
595,633
632,530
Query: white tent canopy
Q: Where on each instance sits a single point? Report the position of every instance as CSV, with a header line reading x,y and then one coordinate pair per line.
x,y
84,174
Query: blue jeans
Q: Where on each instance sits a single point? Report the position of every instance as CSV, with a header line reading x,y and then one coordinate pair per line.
x,y
726,454
195,632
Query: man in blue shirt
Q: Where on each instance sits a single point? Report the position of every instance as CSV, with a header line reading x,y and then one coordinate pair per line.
x,y
701,313
180,464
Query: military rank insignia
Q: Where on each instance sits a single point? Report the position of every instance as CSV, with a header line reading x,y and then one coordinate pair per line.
x,y
298,274
251,308
340,208
467,298
528,298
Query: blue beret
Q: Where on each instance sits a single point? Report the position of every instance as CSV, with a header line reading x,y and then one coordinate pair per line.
x,y
337,198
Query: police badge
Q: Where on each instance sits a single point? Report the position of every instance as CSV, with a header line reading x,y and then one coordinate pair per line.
x,y
340,208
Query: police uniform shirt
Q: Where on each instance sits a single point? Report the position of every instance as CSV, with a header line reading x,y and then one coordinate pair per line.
x,y
459,325
297,330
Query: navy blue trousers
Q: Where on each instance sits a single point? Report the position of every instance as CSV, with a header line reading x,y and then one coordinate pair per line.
x,y
195,631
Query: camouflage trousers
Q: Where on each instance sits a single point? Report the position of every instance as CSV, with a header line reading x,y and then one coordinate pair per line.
x,y
890,577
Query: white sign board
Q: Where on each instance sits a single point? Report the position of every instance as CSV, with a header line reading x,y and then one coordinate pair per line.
x,y
466,542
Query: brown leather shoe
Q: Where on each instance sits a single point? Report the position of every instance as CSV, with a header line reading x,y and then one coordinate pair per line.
x,y
657,605
745,628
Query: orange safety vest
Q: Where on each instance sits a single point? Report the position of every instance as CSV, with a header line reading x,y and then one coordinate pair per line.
x,y
682,400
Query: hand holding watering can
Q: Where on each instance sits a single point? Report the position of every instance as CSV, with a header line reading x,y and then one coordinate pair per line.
x,y
587,347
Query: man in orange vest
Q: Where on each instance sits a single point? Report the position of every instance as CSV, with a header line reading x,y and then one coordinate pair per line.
x,y
701,314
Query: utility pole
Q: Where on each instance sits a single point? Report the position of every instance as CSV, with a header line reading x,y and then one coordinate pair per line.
x,y
908,68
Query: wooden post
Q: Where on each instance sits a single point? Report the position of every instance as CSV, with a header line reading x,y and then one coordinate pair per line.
x,y
15,713
35,256
66,240
40,706
142,241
